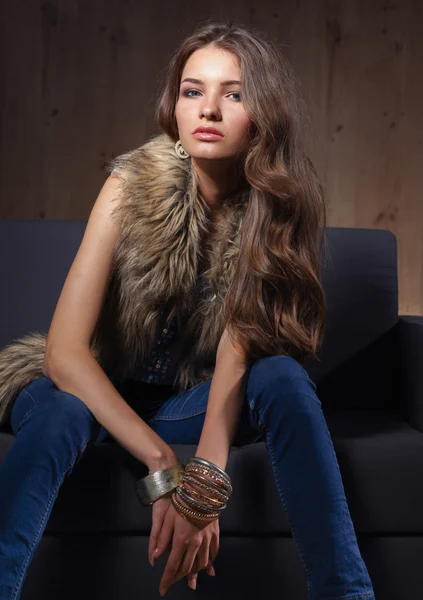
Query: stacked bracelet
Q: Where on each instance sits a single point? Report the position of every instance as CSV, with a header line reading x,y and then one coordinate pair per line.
x,y
203,486
215,486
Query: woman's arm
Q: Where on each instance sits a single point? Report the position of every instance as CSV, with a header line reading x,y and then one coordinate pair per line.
x,y
224,404
77,372
68,360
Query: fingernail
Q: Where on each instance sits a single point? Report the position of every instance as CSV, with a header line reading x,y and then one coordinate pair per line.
x,y
162,591
213,572
153,558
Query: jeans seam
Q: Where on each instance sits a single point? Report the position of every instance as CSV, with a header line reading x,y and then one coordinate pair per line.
x,y
365,595
272,460
179,418
43,520
264,428
28,412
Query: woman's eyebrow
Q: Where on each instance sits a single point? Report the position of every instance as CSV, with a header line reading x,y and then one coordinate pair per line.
x,y
222,83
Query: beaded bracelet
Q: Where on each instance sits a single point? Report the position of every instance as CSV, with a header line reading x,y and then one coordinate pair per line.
x,y
209,477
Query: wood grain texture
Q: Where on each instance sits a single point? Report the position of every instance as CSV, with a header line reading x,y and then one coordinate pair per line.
x,y
80,80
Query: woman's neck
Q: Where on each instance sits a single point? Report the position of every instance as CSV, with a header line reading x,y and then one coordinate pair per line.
x,y
217,180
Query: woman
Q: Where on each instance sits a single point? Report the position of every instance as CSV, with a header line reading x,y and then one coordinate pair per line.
x,y
217,236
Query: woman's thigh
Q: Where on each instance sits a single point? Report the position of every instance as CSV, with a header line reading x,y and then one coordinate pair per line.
x,y
180,418
42,395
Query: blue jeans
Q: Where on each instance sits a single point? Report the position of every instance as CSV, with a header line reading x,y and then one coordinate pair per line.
x,y
281,408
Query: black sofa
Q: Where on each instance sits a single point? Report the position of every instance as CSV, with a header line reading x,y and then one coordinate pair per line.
x,y
369,380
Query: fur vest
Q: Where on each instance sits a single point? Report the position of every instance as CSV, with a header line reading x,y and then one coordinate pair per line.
x,y
155,276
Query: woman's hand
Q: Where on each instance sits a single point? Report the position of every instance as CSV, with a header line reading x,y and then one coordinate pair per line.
x,y
192,547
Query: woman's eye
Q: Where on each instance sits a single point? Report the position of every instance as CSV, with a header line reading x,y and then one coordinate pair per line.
x,y
188,91
196,91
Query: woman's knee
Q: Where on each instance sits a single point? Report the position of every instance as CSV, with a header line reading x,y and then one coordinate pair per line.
x,y
280,367
54,409
274,376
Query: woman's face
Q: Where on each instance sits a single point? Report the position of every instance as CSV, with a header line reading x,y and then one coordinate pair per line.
x,y
212,104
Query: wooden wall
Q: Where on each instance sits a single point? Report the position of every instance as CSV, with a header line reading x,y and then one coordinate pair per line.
x,y
80,80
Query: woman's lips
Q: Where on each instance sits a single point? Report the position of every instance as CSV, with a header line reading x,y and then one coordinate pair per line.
x,y
203,135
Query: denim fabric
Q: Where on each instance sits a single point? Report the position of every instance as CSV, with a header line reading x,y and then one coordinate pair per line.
x,y
281,408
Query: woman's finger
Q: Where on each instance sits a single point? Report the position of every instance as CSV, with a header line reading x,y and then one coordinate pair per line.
x,y
189,564
210,568
176,556
166,533
157,523
214,541
201,557
192,580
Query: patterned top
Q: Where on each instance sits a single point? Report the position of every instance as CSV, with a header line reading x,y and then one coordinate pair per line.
x,y
160,367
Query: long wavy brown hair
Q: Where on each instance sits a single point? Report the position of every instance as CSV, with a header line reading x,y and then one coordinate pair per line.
x,y
276,303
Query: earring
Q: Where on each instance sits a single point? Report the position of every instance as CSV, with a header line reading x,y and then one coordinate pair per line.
x,y
180,151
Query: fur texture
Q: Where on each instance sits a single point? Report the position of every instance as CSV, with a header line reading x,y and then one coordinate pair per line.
x,y
155,275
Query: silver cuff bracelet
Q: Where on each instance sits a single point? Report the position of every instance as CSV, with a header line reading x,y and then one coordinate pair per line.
x,y
157,484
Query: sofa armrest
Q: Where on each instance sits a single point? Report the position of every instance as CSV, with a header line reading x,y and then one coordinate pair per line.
x,y
410,355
